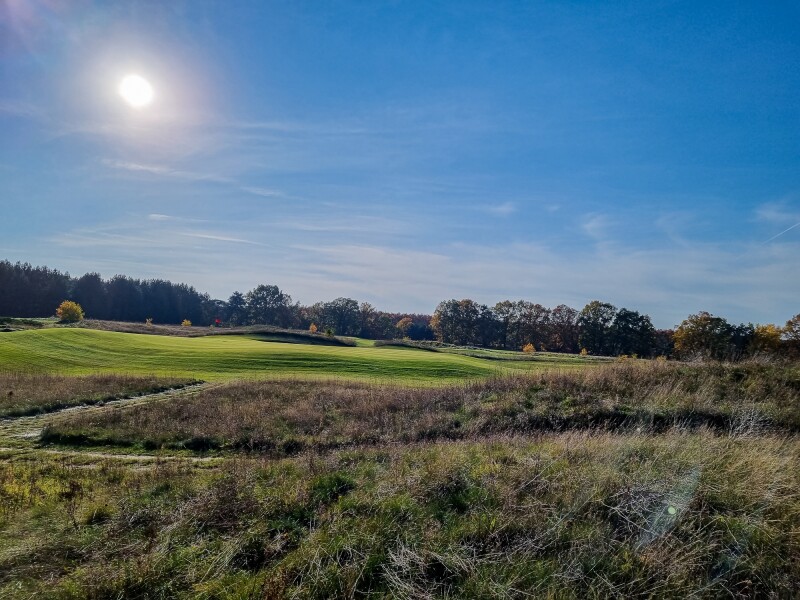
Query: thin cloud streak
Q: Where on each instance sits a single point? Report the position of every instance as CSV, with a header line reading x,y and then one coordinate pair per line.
x,y
164,171
220,238
501,210
774,237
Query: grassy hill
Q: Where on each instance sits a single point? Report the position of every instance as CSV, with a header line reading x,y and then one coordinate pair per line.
x,y
83,351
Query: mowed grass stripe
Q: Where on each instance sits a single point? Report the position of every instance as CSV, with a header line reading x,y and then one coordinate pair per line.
x,y
78,351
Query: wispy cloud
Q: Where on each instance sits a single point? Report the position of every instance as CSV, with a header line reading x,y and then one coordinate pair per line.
x,y
501,210
164,171
159,217
266,193
220,238
193,176
777,213
595,226
364,224
754,282
20,109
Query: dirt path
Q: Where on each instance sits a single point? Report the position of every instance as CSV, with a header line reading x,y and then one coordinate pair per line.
x,y
19,434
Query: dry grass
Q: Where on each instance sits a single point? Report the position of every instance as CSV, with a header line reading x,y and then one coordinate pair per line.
x,y
28,394
579,514
285,417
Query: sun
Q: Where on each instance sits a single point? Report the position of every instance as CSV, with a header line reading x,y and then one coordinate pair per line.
x,y
136,91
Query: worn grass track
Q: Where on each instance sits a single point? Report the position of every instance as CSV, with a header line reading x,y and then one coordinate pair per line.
x,y
20,434
77,351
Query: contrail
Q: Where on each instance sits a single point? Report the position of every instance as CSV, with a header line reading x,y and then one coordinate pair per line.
x,y
782,232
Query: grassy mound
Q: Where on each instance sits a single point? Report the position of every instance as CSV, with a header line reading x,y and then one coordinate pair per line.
x,y
82,351
266,332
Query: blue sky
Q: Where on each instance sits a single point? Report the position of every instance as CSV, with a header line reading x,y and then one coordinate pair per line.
x,y
642,153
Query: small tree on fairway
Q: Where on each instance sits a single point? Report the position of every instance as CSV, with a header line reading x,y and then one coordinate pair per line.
x,y
69,312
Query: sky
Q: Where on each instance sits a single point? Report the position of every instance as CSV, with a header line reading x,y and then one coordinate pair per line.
x,y
403,153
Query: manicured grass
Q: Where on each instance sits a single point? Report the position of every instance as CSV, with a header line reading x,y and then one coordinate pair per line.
x,y
82,351
487,353
266,332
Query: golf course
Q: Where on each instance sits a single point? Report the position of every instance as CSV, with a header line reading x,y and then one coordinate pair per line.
x,y
73,351
176,462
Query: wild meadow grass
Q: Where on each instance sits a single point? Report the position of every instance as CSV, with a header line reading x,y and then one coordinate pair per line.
x,y
284,417
629,480
28,394
576,514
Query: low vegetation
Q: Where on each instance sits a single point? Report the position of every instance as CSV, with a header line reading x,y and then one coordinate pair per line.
x,y
28,394
284,417
569,515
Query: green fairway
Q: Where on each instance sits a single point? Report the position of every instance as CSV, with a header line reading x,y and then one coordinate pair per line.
x,y
79,351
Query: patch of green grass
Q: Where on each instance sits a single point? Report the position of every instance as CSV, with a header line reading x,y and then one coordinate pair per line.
x,y
507,356
82,351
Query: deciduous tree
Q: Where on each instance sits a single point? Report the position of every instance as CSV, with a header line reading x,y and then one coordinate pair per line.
x,y
594,322
69,312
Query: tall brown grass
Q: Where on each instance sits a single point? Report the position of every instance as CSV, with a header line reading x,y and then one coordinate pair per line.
x,y
287,416
27,393
577,514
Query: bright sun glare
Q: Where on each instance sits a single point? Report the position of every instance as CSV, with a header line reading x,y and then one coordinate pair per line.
x,y
136,91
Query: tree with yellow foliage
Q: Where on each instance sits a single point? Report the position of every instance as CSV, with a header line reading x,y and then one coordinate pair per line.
x,y
766,338
69,312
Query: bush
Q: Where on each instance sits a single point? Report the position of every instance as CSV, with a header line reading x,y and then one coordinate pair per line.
x,y
186,323
69,312
529,348
313,328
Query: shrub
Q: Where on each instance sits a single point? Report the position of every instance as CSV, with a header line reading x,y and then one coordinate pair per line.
x,y
313,328
529,348
148,321
329,332
186,323
69,312
584,352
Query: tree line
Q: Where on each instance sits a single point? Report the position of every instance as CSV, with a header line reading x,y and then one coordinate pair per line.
x,y
599,328
604,330
28,291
